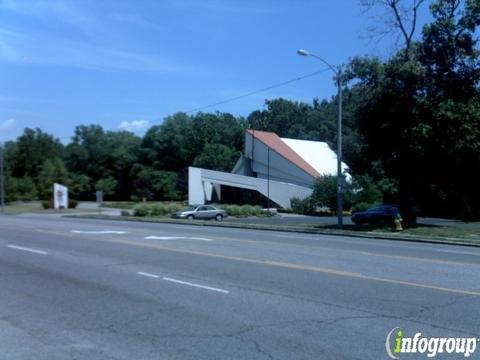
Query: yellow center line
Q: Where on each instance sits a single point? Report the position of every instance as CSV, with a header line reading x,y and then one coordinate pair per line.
x,y
413,258
286,265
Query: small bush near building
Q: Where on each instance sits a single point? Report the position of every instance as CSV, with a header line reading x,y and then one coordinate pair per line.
x,y
141,210
158,209
72,204
165,209
244,210
303,206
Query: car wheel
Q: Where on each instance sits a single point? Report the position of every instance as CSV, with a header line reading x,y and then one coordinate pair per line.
x,y
190,217
219,217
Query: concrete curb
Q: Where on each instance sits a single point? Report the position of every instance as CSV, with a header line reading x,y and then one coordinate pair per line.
x,y
345,233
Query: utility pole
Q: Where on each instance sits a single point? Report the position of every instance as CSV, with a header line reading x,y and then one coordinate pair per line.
x,y
268,178
338,74
339,152
2,179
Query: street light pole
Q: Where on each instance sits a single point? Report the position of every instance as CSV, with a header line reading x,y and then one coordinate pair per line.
x,y
2,181
338,74
339,152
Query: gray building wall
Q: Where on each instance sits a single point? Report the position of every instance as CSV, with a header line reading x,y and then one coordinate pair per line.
x,y
280,169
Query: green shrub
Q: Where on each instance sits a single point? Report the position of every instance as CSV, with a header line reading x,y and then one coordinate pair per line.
x,y
303,206
72,204
361,206
367,193
163,209
141,210
48,204
244,210
156,210
173,207
232,210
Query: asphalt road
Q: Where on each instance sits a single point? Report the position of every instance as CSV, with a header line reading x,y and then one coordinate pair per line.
x,y
87,289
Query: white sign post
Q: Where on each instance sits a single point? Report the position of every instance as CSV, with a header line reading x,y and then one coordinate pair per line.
x,y
99,195
60,196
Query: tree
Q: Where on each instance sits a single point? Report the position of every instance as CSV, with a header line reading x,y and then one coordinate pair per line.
x,y
165,185
123,153
20,189
419,116
450,130
395,15
87,152
217,157
53,171
174,145
365,192
108,185
80,186
153,184
101,155
325,193
217,128
27,156
169,146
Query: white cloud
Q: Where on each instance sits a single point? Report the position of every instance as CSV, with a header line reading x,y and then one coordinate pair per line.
x,y
43,49
8,124
136,20
65,11
134,126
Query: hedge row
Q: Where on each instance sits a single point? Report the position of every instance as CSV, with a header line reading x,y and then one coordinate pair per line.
x,y
168,208
156,209
72,204
244,210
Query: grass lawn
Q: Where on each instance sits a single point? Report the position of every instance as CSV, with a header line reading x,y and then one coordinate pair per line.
x,y
36,207
469,231
464,234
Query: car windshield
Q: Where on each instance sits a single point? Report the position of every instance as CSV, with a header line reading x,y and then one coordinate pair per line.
x,y
190,208
377,208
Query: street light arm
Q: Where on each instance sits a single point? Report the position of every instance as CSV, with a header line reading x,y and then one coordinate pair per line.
x,y
336,71
303,52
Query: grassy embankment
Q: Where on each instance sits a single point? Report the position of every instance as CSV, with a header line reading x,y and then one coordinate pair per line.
x,y
464,233
36,207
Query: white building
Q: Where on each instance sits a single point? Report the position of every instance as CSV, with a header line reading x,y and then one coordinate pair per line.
x,y
278,168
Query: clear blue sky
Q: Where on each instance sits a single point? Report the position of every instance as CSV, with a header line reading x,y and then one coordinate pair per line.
x,y
70,62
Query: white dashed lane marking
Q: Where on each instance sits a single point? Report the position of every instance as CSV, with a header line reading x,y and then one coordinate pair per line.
x,y
27,249
181,282
175,238
148,274
195,285
99,232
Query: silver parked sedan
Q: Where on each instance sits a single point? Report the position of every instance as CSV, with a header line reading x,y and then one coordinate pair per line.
x,y
206,212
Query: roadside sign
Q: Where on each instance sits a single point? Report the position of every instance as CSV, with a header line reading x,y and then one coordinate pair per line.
x,y
60,196
99,196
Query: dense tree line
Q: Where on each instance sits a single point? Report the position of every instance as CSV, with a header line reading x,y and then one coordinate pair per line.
x,y
411,132
124,166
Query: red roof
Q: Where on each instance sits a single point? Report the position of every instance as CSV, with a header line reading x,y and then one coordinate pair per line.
x,y
276,144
